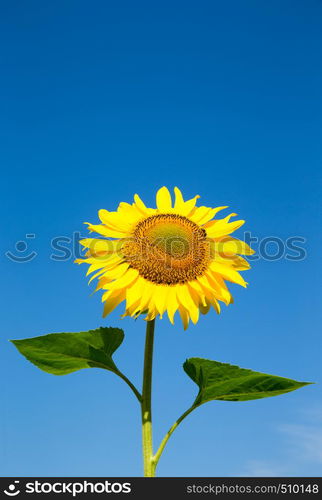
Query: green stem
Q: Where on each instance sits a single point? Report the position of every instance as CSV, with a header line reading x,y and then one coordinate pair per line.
x,y
158,454
149,466
129,383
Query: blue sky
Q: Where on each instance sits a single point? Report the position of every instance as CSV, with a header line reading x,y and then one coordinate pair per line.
x,y
103,100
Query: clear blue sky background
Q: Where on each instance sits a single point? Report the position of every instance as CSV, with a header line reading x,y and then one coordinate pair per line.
x,y
104,99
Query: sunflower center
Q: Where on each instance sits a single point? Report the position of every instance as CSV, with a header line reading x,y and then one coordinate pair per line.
x,y
167,249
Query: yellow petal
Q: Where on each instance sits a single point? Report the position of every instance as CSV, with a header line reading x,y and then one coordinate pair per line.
x,y
129,212
235,261
106,231
117,272
94,267
101,271
100,247
221,227
184,316
163,199
133,310
139,203
228,273
183,207
213,290
201,215
198,290
198,213
215,304
112,263
186,301
221,291
134,293
179,201
98,243
204,309
117,220
102,263
172,303
112,300
126,280
203,281
151,314
231,246
147,294
160,298
211,298
141,206
102,283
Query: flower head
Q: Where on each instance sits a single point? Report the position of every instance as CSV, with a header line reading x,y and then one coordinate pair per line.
x,y
175,257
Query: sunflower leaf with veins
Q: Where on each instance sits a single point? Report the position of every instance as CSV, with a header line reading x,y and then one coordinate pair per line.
x,y
225,382
64,353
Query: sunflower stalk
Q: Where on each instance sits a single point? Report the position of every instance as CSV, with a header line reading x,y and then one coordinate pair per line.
x,y
150,461
147,442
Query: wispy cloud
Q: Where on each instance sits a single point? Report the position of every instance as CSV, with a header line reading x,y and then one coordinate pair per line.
x,y
305,440
302,445
261,468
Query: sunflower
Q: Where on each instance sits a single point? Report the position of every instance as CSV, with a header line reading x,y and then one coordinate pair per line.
x,y
176,257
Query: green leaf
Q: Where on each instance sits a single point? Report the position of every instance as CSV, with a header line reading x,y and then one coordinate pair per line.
x,y
225,382
63,353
